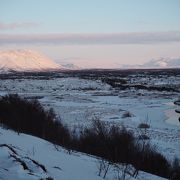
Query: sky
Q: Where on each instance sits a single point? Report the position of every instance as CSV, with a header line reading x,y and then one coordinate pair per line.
x,y
100,33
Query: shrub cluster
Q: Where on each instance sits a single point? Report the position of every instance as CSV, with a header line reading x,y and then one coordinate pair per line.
x,y
122,84
113,143
28,116
118,145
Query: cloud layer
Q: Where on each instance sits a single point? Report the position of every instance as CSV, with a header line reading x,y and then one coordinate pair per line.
x,y
12,26
118,38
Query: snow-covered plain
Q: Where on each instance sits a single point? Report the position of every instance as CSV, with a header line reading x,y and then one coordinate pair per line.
x,y
77,101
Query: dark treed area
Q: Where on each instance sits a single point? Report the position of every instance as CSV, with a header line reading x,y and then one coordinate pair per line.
x,y
113,143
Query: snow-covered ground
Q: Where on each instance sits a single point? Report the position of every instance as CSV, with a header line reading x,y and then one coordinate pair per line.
x,y
43,160
77,101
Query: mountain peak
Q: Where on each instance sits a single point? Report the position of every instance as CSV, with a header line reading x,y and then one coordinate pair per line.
x,y
26,60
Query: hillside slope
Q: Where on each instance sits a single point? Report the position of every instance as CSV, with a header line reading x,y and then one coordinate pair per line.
x,y
26,60
24,157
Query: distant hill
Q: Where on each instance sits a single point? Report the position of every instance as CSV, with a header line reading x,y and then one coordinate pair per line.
x,y
163,63
71,66
157,63
26,60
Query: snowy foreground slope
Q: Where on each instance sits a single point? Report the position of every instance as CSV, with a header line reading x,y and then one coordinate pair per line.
x,y
43,160
25,60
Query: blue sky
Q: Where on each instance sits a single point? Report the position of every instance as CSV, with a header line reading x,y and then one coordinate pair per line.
x,y
92,16
94,19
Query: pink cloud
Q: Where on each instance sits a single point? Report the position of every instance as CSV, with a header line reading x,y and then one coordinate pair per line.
x,y
83,39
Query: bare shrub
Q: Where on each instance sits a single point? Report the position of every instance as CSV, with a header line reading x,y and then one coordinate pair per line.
x,y
125,171
28,116
175,172
127,114
103,167
143,126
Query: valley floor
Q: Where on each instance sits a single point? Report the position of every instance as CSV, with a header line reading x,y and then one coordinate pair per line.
x,y
77,101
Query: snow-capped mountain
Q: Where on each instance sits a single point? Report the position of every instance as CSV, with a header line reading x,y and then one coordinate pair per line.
x,y
71,66
163,63
157,63
26,60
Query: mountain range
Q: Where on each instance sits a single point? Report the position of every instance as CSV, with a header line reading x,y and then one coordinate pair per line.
x,y
27,60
